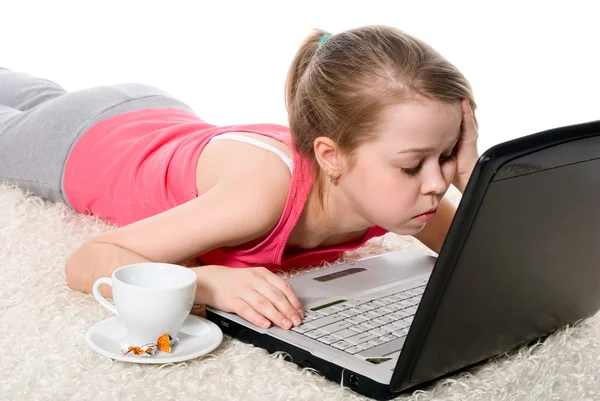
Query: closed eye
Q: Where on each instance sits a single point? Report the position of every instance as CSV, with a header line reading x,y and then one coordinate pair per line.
x,y
443,159
413,171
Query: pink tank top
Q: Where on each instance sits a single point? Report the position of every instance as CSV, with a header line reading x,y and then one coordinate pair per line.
x,y
142,163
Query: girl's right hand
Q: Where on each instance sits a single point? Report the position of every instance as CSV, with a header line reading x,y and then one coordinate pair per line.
x,y
256,294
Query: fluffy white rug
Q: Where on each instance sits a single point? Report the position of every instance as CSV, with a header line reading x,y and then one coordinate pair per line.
x,y
43,354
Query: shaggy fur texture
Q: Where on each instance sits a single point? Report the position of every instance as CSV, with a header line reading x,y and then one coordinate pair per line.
x,y
44,355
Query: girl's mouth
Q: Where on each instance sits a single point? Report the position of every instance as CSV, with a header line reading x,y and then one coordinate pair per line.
x,y
427,216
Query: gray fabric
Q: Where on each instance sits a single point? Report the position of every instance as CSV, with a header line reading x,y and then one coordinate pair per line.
x,y
40,122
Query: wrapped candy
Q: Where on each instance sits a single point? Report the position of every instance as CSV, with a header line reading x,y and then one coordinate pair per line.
x,y
146,350
164,344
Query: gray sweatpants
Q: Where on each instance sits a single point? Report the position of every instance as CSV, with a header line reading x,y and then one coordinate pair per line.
x,y
40,122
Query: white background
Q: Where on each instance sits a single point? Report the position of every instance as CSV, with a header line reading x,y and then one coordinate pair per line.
x,y
532,65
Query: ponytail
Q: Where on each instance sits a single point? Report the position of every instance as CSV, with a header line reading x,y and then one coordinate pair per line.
x,y
300,63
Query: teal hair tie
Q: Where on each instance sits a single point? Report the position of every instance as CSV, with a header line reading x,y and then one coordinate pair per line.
x,y
323,39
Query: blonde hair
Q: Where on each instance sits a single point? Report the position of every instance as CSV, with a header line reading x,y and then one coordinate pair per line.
x,y
340,88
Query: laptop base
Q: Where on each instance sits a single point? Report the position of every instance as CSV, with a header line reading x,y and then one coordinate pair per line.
x,y
356,382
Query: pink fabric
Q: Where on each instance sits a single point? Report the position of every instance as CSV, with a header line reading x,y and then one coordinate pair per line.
x,y
142,163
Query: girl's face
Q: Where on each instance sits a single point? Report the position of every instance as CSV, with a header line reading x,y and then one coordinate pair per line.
x,y
407,169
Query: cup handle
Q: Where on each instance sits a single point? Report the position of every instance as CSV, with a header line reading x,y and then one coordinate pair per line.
x,y
100,298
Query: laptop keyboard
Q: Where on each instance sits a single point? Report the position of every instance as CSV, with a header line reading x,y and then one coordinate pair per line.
x,y
355,326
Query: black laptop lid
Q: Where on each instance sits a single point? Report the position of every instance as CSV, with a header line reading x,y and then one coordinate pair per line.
x,y
522,257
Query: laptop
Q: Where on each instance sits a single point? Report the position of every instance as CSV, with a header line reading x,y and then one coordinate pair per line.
x,y
521,260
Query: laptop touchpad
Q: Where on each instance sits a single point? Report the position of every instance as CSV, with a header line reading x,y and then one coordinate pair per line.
x,y
353,279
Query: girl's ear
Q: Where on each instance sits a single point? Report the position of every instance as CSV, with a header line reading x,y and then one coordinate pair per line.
x,y
329,157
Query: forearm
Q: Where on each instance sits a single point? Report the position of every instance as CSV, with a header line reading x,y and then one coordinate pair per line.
x,y
205,289
462,179
94,260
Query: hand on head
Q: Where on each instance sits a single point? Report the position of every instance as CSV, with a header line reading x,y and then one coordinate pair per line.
x,y
466,153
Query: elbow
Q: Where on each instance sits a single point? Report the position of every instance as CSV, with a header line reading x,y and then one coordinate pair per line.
x,y
73,273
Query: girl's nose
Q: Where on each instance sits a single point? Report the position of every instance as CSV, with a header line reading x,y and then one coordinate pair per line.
x,y
434,182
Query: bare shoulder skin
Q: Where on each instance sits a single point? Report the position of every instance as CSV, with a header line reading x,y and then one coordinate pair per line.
x,y
242,191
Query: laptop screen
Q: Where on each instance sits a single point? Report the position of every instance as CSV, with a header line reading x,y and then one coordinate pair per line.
x,y
529,265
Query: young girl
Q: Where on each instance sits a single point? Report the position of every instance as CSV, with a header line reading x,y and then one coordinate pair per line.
x,y
380,126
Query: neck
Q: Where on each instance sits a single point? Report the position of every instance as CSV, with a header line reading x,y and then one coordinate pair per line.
x,y
328,221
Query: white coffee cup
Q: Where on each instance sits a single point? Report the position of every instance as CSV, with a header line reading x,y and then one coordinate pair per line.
x,y
150,298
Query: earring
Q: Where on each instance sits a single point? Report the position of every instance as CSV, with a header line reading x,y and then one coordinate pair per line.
x,y
332,179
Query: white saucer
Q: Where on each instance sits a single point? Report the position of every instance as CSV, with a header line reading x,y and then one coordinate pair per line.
x,y
197,336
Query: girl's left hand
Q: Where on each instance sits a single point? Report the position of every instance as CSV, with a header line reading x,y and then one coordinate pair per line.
x,y
466,151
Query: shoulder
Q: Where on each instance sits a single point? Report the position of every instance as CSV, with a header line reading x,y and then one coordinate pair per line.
x,y
258,178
